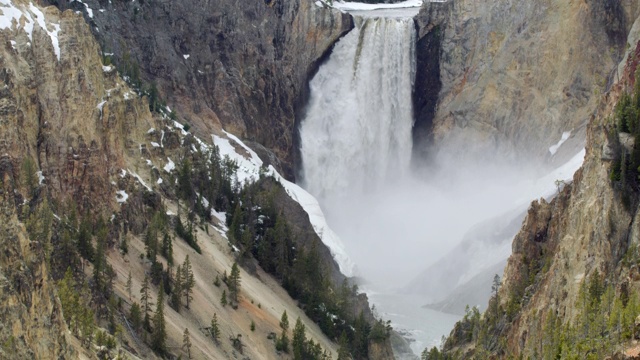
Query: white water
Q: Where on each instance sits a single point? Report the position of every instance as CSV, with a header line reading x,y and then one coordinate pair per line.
x,y
356,148
357,132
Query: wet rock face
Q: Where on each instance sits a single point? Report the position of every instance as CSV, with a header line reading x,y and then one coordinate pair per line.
x,y
516,75
240,64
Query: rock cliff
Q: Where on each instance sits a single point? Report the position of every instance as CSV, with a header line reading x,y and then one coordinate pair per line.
x,y
244,65
31,323
567,252
515,75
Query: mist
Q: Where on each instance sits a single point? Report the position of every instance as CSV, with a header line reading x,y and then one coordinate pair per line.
x,y
395,231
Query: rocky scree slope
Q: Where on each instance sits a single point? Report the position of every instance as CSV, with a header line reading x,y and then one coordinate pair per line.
x,y
244,64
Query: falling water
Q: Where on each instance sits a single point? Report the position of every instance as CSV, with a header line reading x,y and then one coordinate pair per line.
x,y
357,131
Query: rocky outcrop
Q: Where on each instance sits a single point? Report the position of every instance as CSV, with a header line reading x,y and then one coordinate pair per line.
x,y
74,117
31,322
242,64
516,75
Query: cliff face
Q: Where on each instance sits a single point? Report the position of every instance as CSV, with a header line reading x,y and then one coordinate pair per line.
x,y
73,117
587,234
516,75
72,120
31,322
242,64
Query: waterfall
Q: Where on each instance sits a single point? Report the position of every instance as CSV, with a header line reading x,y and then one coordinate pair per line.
x,y
356,134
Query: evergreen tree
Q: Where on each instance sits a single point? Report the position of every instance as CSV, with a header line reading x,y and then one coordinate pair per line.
x,y
29,175
186,342
223,299
495,287
146,301
135,316
282,344
159,335
185,189
215,328
167,248
234,283
343,347
69,298
188,281
176,294
235,228
129,284
85,248
299,340
103,273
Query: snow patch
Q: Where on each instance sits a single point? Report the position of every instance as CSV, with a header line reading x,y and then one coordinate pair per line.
x,y
170,166
155,144
101,105
221,216
121,196
107,68
554,148
123,173
13,44
159,181
186,56
11,15
151,131
40,177
140,180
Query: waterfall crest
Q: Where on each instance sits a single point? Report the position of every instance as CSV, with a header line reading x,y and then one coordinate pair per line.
x,y
356,134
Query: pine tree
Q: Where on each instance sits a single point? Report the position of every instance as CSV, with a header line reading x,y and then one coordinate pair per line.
x,y
129,284
282,344
135,316
234,283
159,334
176,294
299,340
167,248
223,299
68,296
85,248
146,301
215,328
343,347
236,223
186,342
188,281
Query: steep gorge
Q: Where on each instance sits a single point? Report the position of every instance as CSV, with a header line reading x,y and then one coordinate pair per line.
x,y
587,235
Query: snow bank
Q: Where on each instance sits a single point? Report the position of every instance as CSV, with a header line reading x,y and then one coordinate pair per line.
x,y
249,171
